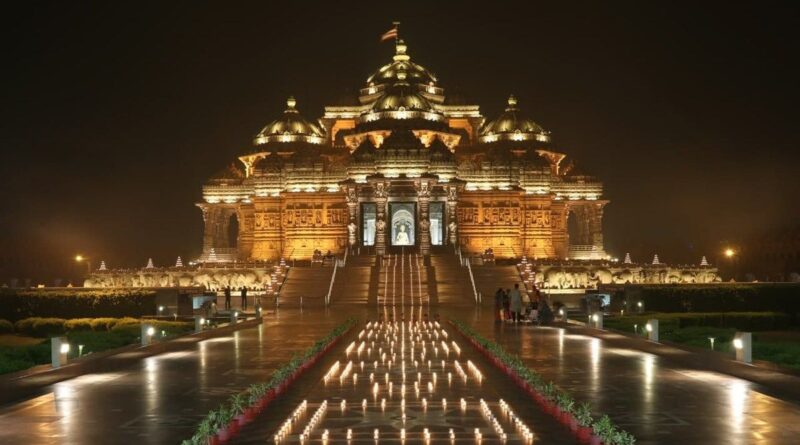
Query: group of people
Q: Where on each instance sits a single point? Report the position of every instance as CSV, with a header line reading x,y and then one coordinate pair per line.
x,y
243,291
508,305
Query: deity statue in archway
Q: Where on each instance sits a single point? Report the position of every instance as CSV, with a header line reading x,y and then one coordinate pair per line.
x,y
402,236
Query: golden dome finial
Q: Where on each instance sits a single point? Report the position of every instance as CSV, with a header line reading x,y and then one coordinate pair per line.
x,y
512,101
400,51
291,102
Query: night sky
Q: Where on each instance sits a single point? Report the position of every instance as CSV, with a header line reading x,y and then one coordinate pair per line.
x,y
116,113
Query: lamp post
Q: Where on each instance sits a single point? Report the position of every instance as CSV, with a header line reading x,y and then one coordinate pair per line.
x,y
82,259
730,255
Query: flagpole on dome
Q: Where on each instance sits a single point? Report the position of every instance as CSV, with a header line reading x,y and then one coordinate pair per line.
x,y
392,33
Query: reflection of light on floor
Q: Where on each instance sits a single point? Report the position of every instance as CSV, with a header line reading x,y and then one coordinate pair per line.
x,y
737,394
174,355
648,367
577,337
594,348
560,344
626,352
217,340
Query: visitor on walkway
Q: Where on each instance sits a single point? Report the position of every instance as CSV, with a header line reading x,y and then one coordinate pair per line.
x,y
545,313
516,303
227,297
506,305
244,298
498,305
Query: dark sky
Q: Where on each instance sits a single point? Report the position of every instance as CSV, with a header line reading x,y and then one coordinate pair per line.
x,y
115,113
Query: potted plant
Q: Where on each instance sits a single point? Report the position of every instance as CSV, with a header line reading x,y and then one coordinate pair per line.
x,y
624,438
565,404
602,431
583,419
237,408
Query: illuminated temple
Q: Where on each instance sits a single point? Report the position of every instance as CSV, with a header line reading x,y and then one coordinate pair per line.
x,y
403,166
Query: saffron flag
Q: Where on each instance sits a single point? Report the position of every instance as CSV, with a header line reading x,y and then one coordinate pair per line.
x,y
390,34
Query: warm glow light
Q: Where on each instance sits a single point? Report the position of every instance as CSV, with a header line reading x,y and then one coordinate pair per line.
x,y
79,258
729,252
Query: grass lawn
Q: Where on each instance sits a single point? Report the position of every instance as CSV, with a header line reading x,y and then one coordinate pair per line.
x,y
18,340
19,352
779,347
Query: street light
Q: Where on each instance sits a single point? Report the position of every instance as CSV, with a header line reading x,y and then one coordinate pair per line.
x,y
80,259
730,252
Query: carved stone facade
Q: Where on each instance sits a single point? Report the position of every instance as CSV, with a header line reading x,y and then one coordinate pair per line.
x,y
401,166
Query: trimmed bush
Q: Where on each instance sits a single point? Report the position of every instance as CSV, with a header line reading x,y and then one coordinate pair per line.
x,y
76,303
40,327
103,324
718,297
78,324
6,327
742,321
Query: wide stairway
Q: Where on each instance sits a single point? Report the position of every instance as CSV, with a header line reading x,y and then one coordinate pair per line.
x,y
354,281
403,281
309,283
453,285
490,277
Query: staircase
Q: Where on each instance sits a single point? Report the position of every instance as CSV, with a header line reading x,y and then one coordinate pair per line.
x,y
403,281
488,278
453,286
353,284
310,283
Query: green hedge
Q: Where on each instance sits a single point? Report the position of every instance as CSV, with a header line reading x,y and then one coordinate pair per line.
x,y
76,303
6,327
742,321
48,327
718,297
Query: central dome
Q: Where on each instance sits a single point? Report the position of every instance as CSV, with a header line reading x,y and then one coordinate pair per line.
x,y
401,63
401,97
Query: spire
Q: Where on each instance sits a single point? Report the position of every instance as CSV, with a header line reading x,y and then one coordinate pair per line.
x,y
291,102
512,103
627,259
400,54
102,265
149,264
704,261
179,263
655,259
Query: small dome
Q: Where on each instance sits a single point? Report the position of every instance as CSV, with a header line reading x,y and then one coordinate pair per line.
x,y
291,127
401,63
513,125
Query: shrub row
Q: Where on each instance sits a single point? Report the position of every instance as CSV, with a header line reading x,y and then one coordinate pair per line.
x,y
48,327
74,303
720,297
742,321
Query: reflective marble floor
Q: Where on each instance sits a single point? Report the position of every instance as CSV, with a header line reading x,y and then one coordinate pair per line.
x,y
160,400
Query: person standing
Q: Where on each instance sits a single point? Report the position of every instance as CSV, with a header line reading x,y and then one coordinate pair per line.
x,y
244,298
506,304
498,305
515,303
227,297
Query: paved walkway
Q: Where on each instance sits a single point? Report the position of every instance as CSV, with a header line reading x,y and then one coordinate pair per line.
x,y
649,396
160,400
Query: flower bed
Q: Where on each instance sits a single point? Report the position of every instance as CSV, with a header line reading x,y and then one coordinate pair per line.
x,y
223,423
553,400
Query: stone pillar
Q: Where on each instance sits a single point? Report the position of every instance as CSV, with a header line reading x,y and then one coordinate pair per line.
x,y
423,200
351,197
380,195
596,225
452,225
